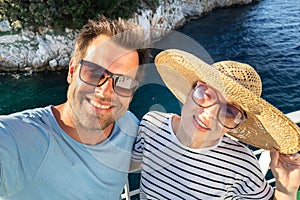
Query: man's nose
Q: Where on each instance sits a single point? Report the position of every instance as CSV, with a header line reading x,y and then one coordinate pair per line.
x,y
106,87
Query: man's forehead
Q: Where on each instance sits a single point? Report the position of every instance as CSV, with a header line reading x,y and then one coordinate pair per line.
x,y
106,50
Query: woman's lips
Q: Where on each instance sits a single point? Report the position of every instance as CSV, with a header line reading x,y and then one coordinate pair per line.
x,y
200,123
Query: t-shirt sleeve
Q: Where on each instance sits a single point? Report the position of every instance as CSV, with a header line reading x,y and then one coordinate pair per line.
x,y
248,190
253,184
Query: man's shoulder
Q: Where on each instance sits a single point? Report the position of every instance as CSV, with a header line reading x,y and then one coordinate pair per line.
x,y
24,120
128,123
128,117
30,112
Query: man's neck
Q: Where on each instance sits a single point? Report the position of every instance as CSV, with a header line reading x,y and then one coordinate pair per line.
x,y
80,134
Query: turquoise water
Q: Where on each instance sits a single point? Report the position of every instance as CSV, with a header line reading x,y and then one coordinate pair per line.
x,y
22,91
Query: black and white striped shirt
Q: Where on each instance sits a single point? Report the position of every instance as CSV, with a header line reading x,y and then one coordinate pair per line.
x,y
170,170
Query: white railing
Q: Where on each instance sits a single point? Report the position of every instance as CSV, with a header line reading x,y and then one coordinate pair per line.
x,y
264,160
294,116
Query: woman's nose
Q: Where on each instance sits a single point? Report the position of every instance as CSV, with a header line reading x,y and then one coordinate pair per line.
x,y
212,111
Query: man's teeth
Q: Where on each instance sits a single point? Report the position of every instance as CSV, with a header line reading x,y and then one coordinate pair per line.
x,y
100,105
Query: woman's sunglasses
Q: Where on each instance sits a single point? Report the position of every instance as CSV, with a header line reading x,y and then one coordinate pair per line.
x,y
228,115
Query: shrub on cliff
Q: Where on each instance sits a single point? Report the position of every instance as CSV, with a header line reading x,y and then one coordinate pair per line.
x,y
59,14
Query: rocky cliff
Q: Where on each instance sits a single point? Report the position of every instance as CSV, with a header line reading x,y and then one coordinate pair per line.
x,y
31,52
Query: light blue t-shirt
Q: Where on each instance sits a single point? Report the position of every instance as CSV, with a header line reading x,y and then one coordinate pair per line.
x,y
39,161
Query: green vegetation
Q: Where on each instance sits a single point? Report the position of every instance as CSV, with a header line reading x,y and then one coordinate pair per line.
x,y
59,14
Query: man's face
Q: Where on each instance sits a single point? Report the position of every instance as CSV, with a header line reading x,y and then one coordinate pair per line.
x,y
96,108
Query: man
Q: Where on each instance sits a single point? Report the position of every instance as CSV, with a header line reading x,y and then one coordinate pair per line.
x,y
81,148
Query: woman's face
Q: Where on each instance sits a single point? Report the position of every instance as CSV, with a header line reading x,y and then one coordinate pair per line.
x,y
207,115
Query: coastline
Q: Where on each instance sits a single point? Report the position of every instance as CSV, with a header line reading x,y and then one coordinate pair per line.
x,y
34,52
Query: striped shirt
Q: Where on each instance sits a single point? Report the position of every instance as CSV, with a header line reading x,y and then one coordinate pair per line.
x,y
170,170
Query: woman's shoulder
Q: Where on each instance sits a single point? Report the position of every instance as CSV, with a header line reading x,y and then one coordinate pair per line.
x,y
156,121
157,116
231,144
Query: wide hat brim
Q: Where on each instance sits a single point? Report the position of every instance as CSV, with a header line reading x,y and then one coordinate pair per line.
x,y
266,127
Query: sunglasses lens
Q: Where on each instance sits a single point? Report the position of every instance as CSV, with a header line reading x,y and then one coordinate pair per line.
x,y
204,96
91,73
230,116
124,85
96,75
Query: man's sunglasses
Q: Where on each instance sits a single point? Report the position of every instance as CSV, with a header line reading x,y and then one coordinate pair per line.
x,y
95,75
228,115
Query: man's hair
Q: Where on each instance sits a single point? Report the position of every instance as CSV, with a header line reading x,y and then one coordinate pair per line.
x,y
123,33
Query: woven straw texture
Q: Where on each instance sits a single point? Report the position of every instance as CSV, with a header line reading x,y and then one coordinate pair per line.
x,y
266,127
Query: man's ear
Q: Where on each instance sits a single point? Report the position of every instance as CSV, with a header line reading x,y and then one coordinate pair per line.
x,y
130,99
71,70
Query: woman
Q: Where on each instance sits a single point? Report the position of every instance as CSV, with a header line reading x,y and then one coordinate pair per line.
x,y
192,157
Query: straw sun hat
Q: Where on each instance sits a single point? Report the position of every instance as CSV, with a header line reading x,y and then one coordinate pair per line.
x,y
266,127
